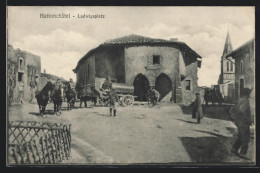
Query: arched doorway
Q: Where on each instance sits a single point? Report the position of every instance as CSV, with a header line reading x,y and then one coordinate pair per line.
x,y
141,85
163,85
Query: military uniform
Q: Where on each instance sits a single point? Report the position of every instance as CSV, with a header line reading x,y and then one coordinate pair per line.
x,y
197,109
113,100
107,85
242,115
57,85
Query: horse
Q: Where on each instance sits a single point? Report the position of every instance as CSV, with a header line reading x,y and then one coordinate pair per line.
x,y
88,94
42,97
70,96
56,96
152,96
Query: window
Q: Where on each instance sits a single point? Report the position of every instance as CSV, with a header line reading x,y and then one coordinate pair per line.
x,y
227,66
187,85
241,67
231,66
156,59
20,77
21,64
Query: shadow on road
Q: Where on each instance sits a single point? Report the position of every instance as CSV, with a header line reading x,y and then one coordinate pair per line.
x,y
211,111
187,121
215,149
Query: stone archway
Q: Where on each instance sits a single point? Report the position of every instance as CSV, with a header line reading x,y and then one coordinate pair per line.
x,y
141,85
163,85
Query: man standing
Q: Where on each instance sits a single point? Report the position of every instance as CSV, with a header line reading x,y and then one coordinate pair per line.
x,y
197,109
113,98
242,116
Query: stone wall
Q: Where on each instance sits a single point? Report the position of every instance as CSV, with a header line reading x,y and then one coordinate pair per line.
x,y
110,61
139,60
86,72
247,56
188,96
30,63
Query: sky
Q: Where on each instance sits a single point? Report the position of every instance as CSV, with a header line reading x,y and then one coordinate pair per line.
x,y
62,42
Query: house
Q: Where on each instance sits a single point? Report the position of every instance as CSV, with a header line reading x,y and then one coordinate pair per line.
x,y
244,57
23,75
142,62
45,77
227,77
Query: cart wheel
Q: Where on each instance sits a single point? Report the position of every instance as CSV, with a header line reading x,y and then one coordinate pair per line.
x,y
128,100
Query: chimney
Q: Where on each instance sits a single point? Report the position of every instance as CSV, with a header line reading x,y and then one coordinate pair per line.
x,y
44,71
173,39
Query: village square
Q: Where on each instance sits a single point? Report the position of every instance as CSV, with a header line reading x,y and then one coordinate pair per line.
x,y
134,100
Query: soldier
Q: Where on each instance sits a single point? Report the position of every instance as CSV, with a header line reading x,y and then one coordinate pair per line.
x,y
153,95
197,109
107,85
242,115
113,98
57,84
71,83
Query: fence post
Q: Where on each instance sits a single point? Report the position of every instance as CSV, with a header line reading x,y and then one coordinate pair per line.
x,y
37,152
52,149
47,149
33,154
42,150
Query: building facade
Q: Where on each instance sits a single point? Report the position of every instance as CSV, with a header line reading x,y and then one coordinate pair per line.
x,y
167,65
227,77
45,77
23,75
244,57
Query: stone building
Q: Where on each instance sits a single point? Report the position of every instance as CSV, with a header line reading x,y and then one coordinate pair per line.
x,y
45,77
168,65
23,75
227,76
244,57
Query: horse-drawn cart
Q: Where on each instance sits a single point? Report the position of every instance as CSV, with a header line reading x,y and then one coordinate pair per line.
x,y
125,94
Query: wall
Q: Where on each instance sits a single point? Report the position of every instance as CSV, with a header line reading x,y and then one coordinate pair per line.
x,y
30,60
86,72
140,60
247,55
110,61
191,74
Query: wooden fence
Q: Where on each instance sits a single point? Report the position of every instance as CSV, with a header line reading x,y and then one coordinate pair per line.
x,y
31,142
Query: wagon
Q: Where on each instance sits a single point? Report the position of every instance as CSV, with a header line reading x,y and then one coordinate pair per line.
x,y
124,92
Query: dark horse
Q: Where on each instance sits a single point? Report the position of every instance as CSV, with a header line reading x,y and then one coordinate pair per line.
x,y
42,97
70,96
56,97
88,93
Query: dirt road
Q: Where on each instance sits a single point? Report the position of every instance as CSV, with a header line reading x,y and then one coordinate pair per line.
x,y
140,134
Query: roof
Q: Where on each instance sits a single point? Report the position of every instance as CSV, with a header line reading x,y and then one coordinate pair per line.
x,y
247,44
137,40
53,77
228,46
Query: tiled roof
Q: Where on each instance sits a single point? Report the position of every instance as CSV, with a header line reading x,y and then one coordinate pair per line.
x,y
137,40
133,39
